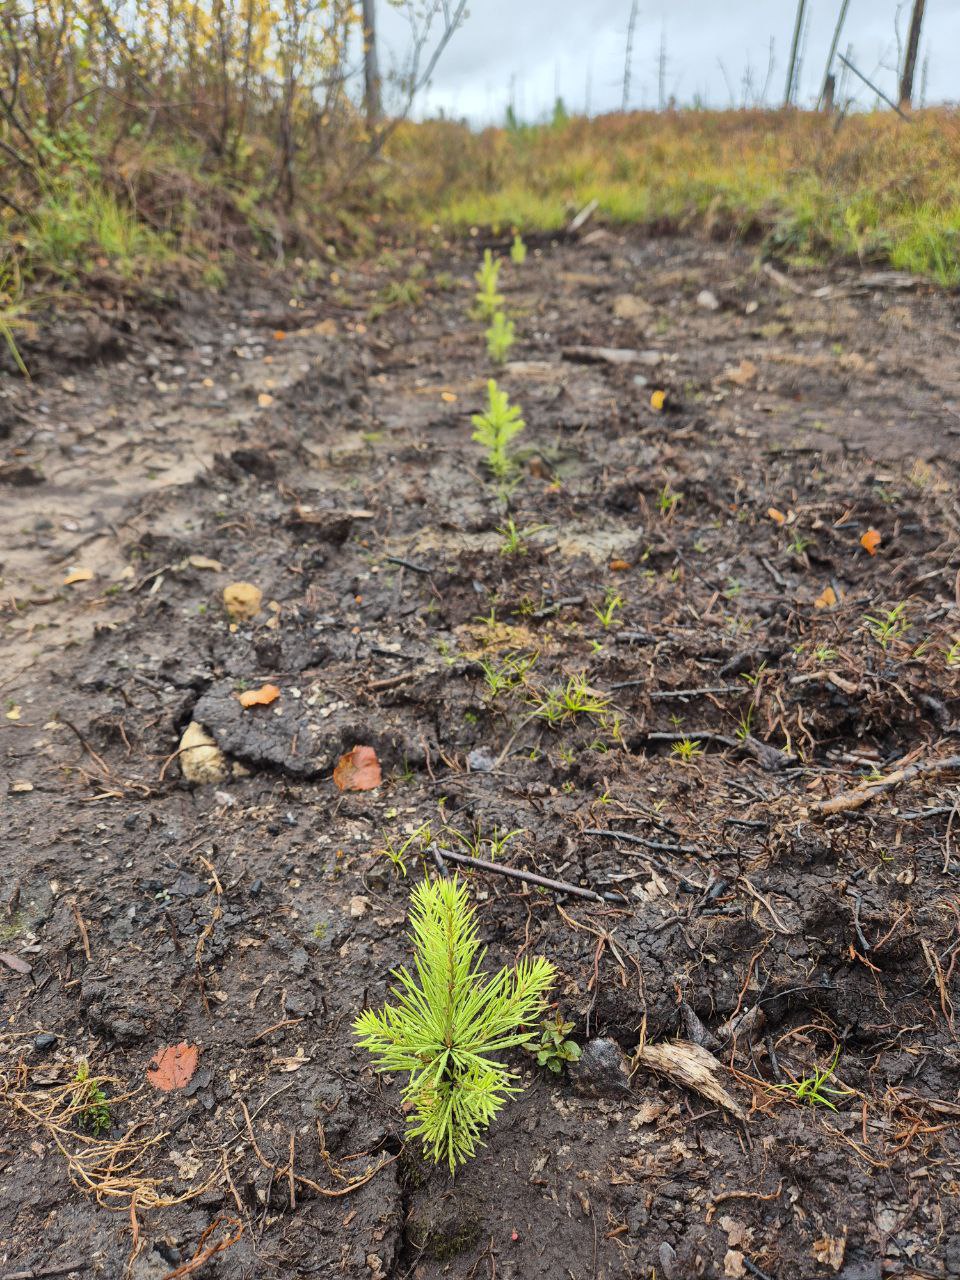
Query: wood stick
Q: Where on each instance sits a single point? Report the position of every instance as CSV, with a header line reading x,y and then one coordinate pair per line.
x,y
847,801
529,877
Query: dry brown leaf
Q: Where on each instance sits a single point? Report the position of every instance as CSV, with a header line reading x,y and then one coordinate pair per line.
x,y
242,600
690,1066
743,374
829,1251
173,1067
358,770
733,1264
870,541
261,697
77,575
826,599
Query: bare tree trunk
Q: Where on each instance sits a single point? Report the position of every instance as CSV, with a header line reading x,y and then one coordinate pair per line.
x,y
910,57
628,58
371,66
794,50
828,76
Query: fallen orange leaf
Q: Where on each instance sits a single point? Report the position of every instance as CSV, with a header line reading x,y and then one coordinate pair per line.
x,y
264,399
448,397
279,335
617,566
173,1066
77,575
827,599
261,697
776,516
870,541
358,770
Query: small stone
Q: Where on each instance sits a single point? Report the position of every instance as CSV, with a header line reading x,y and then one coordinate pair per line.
x,y
602,1070
256,888
708,300
480,760
45,1040
359,906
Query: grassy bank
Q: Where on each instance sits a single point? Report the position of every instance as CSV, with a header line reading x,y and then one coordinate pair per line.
x,y
871,187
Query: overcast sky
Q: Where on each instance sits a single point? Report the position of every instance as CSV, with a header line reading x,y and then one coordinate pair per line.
x,y
575,48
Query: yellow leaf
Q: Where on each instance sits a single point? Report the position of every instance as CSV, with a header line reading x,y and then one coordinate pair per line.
x,y
264,399
13,713
657,400
261,697
77,575
827,599
448,397
204,562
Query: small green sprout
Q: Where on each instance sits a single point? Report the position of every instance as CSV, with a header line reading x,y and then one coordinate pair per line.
x,y
515,539
553,1050
397,853
496,428
952,655
612,601
518,251
812,1090
570,701
510,672
500,337
90,1102
686,750
667,501
888,625
745,726
824,654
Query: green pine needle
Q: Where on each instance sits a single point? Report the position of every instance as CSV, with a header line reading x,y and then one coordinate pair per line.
x,y
446,1021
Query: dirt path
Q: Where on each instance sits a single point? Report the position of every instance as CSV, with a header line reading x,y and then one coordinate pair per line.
x,y
326,458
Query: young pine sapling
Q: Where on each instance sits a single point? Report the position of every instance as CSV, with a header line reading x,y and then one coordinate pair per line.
x,y
488,278
496,428
447,1020
518,251
500,337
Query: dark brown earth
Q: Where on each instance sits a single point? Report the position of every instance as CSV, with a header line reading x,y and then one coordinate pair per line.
x,y
333,468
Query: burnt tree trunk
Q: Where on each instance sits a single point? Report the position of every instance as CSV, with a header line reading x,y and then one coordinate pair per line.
x,y
910,57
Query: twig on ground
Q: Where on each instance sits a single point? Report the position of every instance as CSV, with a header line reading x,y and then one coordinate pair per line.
x,y
529,877
847,801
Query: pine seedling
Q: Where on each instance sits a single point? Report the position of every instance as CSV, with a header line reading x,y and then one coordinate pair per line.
x,y
488,278
447,1020
518,251
500,337
496,428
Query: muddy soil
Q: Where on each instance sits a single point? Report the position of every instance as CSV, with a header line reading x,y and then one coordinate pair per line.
x,y
701,566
